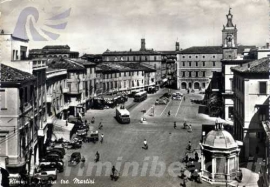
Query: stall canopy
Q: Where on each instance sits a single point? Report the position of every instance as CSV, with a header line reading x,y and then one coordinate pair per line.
x,y
62,129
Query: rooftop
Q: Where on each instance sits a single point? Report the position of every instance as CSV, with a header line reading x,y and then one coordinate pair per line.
x,y
245,48
56,47
9,74
64,64
220,138
203,50
130,52
121,67
255,66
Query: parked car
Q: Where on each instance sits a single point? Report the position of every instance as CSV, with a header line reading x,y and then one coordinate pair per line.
x,y
59,166
48,175
93,137
59,147
55,151
74,145
161,101
75,157
51,157
81,132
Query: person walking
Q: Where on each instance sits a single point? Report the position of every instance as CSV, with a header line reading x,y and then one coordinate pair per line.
x,y
97,156
189,128
169,113
101,138
145,144
189,146
174,126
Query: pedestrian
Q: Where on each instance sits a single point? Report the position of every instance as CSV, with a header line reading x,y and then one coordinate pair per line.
x,y
145,144
185,125
97,156
174,126
196,157
189,128
101,138
189,146
169,113
113,173
100,126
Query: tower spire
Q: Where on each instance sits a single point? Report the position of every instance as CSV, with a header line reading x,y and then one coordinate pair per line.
x,y
229,19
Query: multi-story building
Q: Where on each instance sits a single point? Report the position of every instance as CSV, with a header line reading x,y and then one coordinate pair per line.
x,y
79,85
143,56
36,67
233,55
119,77
19,130
251,103
169,66
195,66
56,81
53,51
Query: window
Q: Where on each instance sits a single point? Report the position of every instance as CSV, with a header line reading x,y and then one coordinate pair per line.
x,y
130,73
142,81
196,63
138,83
183,57
189,73
183,63
125,74
189,57
196,56
183,74
203,73
214,63
125,84
203,56
155,66
203,63
137,73
155,58
262,86
196,73
189,64
262,113
214,56
120,74
3,99
134,59
115,84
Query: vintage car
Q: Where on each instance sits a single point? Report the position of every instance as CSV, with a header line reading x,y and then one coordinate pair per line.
x,y
75,158
93,136
46,175
51,157
59,166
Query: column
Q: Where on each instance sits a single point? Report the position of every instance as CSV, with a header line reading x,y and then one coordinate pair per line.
x,y
213,167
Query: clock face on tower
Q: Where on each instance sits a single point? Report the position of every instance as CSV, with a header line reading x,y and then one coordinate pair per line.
x,y
229,40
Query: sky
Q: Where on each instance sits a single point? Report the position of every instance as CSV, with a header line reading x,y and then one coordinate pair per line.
x,y
93,26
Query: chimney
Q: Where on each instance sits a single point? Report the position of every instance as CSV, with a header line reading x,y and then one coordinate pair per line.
x,y
177,46
143,44
267,45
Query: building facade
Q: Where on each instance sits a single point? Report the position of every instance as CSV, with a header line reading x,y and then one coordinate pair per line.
x,y
121,77
251,103
195,66
143,56
53,51
19,130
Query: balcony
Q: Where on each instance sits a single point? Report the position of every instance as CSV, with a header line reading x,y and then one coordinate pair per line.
x,y
39,63
14,165
65,90
49,98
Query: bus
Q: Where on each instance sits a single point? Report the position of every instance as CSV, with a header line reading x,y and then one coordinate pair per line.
x,y
122,115
140,96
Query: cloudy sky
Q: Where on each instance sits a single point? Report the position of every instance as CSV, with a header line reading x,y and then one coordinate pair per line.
x,y
92,26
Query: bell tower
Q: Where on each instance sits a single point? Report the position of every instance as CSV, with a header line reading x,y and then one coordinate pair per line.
x,y
229,38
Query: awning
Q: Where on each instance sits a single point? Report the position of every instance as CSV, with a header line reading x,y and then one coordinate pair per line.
x,y
62,129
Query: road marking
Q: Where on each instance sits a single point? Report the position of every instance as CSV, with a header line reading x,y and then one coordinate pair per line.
x,y
165,108
178,108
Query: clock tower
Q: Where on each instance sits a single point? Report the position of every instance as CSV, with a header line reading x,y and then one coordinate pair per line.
x,y
229,38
